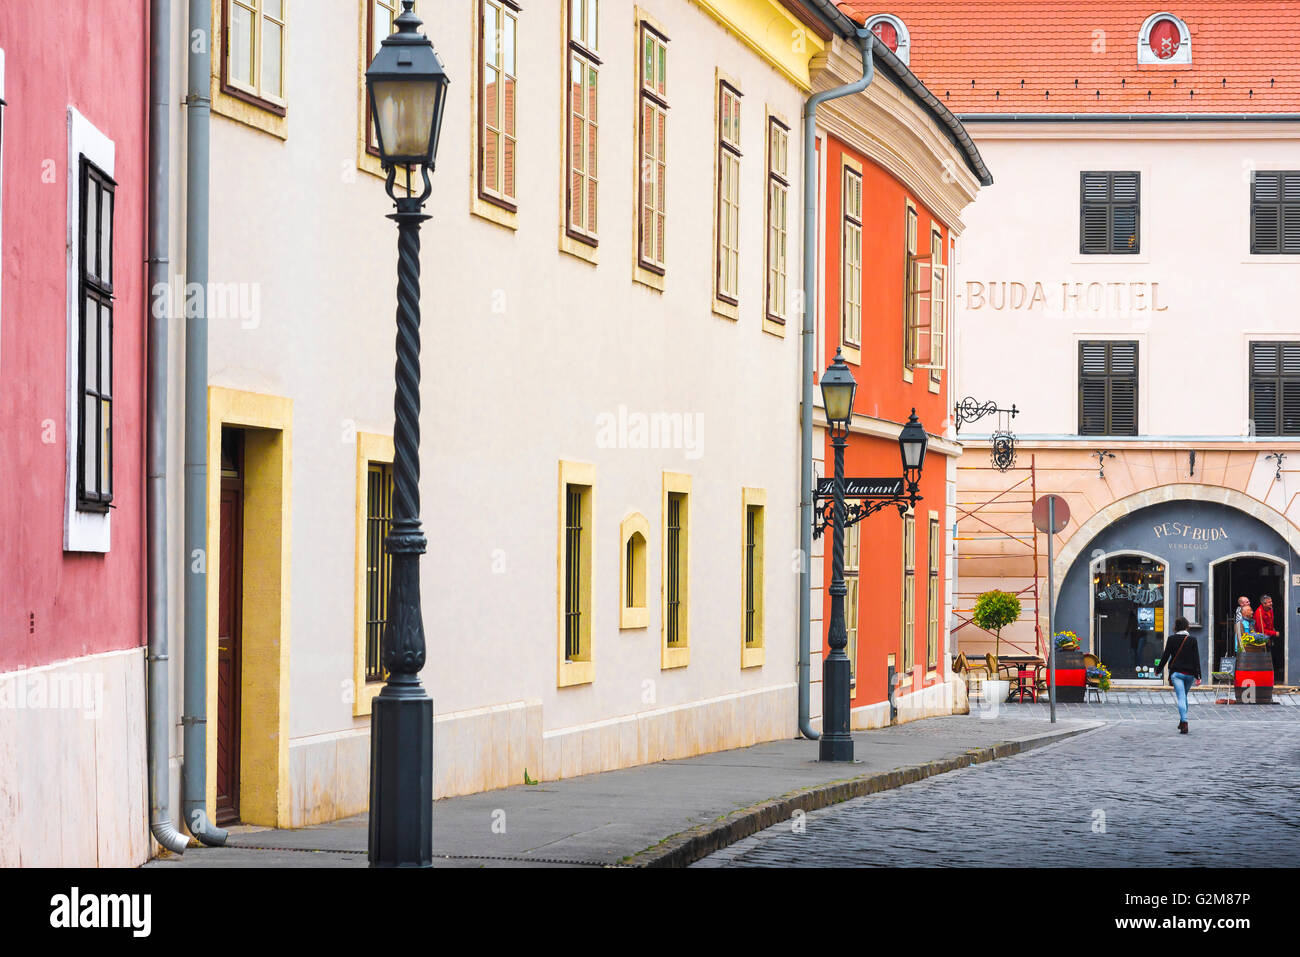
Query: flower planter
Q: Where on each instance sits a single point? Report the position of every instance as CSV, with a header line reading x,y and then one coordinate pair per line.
x,y
997,689
1253,676
1071,677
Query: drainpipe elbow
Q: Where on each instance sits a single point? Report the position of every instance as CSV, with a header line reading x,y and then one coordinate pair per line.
x,y
197,822
165,833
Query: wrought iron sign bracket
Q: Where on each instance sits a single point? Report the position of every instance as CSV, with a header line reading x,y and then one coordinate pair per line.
x,y
971,409
1279,458
854,512
1101,455
1002,450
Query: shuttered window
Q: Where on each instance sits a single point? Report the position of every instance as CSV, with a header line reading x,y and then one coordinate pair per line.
x,y
1275,212
652,136
1109,212
1108,386
584,65
1275,388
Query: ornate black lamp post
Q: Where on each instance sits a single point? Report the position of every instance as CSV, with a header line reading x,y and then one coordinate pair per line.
x,y
407,86
836,742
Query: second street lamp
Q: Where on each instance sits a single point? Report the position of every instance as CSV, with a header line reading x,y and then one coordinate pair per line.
x,y
407,86
836,742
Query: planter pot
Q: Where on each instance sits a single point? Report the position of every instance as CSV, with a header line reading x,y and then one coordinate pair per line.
x,y
996,689
1071,677
1253,676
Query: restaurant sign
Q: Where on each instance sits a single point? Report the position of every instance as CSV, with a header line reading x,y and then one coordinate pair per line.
x,y
1179,535
862,487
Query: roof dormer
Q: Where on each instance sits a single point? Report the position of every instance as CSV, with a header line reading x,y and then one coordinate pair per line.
x,y
892,33
1164,39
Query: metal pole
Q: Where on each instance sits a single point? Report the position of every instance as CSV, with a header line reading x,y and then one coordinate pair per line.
x,y
836,742
401,721
1051,603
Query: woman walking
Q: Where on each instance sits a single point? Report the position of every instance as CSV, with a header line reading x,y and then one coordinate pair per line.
x,y
1184,661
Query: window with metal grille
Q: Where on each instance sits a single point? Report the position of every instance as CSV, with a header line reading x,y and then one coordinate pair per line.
x,y
753,575
851,300
497,96
909,593
728,214
675,567
95,355
379,563
778,195
1109,208
911,283
573,569
1108,388
1275,211
1275,388
652,136
253,65
583,73
932,598
851,600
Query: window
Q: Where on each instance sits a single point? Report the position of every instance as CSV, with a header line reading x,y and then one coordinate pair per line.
x,y
753,578
675,590
574,591
253,64
95,355
1275,212
496,98
1275,388
652,132
851,600
374,516
583,70
911,287
938,307
380,15
1164,39
633,611
892,33
1108,384
1109,205
778,196
932,598
851,299
727,272
909,593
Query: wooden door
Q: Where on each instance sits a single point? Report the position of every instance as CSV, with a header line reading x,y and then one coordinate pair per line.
x,y
230,587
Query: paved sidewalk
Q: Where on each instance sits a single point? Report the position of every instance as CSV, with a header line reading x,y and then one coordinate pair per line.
x,y
668,813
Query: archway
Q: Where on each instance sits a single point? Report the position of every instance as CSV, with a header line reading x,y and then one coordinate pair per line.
x,y
1249,574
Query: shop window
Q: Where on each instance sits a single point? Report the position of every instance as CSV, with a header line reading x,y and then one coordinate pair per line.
x,y
1129,614
1108,388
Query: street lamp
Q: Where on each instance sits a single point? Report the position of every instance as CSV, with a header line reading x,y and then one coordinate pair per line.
x,y
836,742
407,86
912,443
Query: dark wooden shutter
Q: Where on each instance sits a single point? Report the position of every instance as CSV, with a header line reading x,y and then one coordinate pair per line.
x,y
1275,212
1109,212
1275,388
1108,388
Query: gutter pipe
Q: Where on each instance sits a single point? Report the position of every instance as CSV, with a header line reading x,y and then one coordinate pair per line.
x,y
809,333
159,680
198,105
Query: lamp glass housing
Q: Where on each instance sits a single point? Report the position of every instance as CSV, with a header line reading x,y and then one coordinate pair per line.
x,y
912,443
838,388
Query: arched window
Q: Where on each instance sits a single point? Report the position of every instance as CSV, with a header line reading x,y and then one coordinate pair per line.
x,y
892,33
1164,39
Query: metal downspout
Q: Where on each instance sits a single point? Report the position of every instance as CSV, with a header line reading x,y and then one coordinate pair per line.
x,y
809,366
159,680
198,104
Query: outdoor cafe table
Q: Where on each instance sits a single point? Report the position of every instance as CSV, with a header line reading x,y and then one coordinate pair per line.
x,y
1026,668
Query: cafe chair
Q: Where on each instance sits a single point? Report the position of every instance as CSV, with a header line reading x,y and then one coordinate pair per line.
x,y
1093,684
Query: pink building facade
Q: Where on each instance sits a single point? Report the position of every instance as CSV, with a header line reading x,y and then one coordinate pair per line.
x,y
73,150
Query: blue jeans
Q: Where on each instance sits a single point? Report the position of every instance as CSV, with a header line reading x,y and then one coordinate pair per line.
x,y
1181,683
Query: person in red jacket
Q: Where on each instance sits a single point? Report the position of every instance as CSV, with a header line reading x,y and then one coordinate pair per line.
x,y
1264,617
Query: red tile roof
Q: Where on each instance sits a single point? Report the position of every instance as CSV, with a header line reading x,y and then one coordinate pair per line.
x,y
997,56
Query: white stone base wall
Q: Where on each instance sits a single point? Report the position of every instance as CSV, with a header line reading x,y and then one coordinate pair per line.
x,y
486,748
73,778
948,697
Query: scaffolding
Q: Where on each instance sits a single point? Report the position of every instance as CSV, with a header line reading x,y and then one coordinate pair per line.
x,y
992,519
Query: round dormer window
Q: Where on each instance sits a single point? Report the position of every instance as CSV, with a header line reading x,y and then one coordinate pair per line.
x,y
892,32
1164,39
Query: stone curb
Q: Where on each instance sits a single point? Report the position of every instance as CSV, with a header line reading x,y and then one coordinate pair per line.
x,y
689,846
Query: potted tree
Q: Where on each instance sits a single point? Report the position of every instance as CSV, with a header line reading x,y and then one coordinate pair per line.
x,y
994,610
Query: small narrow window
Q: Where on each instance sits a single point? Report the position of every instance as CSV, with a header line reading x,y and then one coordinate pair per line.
x,y
1275,212
95,356
778,194
676,543
675,588
1275,388
583,74
938,307
497,96
379,563
574,559
1109,213
727,272
575,562
253,65
652,137
911,287
851,600
1108,388
851,301
633,611
909,593
753,578
932,599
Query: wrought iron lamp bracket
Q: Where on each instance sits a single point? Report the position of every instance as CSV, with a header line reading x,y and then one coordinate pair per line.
x,y
857,511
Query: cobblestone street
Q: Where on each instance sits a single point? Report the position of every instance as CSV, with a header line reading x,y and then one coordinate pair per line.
x,y
1132,793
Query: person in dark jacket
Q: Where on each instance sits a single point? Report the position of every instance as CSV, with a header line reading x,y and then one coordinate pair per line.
x,y
1184,660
